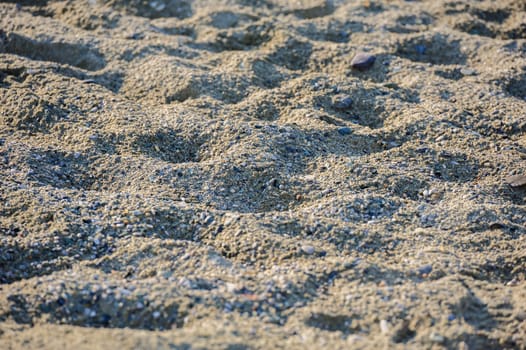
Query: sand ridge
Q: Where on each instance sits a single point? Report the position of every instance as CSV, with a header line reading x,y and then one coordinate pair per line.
x,y
214,174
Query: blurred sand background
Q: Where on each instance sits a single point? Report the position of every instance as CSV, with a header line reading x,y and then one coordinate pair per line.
x,y
213,174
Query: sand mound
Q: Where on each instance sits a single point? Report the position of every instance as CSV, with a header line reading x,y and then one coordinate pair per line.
x,y
181,174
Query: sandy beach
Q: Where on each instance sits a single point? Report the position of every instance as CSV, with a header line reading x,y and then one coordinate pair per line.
x,y
262,174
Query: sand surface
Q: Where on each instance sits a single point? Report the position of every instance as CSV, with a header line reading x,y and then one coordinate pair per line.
x,y
213,174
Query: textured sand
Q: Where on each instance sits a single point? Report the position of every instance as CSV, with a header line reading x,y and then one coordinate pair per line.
x,y
180,174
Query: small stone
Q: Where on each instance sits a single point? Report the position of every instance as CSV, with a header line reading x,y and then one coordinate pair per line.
x,y
231,287
344,130
512,283
354,338
420,49
208,220
516,180
342,102
467,71
156,314
307,249
463,346
87,312
311,8
520,315
436,338
425,270
363,61
157,5
384,326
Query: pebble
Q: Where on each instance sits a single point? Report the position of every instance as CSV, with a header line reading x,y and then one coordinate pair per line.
x,y
157,5
342,102
384,326
231,287
420,49
463,346
307,249
520,315
344,130
425,270
467,71
436,338
512,283
516,180
363,61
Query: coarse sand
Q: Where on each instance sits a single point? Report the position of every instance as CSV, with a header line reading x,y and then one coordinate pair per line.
x,y
229,174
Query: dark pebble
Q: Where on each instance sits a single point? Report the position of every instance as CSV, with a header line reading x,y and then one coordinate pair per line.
x,y
292,149
342,102
344,130
105,319
363,61
426,269
420,49
423,150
